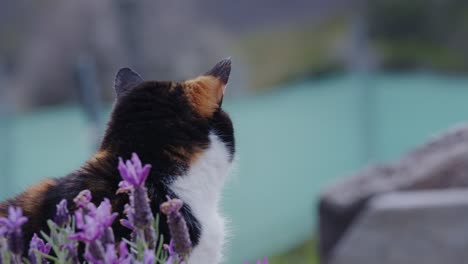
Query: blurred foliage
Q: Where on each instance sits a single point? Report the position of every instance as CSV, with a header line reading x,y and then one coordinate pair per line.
x,y
425,34
284,54
303,254
419,54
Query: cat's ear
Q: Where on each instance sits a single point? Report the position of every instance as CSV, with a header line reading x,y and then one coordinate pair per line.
x,y
206,92
221,71
125,80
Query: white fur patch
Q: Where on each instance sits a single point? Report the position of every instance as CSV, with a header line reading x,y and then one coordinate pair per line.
x,y
201,189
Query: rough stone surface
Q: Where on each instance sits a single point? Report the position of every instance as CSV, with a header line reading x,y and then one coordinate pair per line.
x,y
429,227
442,163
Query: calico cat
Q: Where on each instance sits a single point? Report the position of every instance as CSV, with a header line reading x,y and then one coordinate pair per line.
x,y
179,128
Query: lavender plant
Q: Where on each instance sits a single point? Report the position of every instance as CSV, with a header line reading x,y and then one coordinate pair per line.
x,y
177,227
12,238
139,216
91,225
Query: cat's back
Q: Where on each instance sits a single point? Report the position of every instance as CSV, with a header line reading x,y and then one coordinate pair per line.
x,y
39,201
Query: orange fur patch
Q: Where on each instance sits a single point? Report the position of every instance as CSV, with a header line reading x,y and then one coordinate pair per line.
x,y
33,196
100,155
205,93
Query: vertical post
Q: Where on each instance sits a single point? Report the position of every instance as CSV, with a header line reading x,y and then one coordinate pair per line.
x,y
362,66
90,98
129,18
6,140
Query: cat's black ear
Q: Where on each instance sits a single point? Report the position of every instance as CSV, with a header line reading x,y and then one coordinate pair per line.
x,y
125,80
221,70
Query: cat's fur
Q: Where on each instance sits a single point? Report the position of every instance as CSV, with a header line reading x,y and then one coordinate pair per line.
x,y
179,128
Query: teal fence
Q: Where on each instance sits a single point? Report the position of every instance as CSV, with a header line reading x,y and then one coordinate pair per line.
x,y
291,143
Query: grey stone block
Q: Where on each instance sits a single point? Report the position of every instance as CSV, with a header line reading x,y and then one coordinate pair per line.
x,y
442,163
429,227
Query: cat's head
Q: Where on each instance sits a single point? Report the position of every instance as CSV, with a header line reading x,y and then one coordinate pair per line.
x,y
170,124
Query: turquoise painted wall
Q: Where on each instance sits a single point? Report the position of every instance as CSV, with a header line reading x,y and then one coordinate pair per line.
x,y
291,143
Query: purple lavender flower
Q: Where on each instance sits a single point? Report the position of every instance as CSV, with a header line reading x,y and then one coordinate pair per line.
x,y
13,229
15,219
134,176
170,251
3,230
142,216
71,249
139,215
133,172
129,212
149,256
95,222
38,245
177,226
104,213
111,256
94,252
62,216
90,228
107,236
83,199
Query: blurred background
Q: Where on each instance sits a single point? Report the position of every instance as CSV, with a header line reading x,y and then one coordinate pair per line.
x,y
319,89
